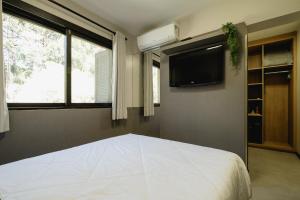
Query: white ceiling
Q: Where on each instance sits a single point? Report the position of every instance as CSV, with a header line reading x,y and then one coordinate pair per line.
x,y
137,16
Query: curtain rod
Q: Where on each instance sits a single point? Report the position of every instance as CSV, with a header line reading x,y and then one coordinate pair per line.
x,y
80,15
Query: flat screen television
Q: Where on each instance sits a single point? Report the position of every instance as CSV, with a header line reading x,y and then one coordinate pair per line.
x,y
203,66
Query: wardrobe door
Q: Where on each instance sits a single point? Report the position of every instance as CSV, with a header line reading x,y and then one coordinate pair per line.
x,y
277,108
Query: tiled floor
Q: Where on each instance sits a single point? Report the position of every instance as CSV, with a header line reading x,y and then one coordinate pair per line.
x,y
274,175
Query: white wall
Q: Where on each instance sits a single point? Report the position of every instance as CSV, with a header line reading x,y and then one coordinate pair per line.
x,y
275,30
249,11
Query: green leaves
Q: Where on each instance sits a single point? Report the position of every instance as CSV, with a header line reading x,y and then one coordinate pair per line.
x,y
231,33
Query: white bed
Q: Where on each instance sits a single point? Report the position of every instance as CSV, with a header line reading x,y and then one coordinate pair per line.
x,y
128,167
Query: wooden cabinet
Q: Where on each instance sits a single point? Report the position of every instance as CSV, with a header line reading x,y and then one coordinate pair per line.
x,y
272,92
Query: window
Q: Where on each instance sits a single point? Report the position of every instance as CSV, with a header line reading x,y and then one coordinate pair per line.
x,y
34,62
91,72
156,82
50,62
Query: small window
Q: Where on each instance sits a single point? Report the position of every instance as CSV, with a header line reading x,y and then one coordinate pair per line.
x,y
91,72
34,62
156,83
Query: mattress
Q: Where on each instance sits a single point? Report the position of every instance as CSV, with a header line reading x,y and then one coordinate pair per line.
x,y
128,167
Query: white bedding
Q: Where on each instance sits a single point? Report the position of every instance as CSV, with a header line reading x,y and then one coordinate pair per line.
x,y
128,167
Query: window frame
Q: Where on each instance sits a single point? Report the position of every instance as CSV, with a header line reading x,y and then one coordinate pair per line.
x,y
157,65
33,14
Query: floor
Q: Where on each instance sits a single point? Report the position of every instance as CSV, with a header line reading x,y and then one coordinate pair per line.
x,y
274,175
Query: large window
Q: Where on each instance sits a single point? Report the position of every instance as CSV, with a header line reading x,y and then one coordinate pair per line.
x,y
53,63
156,82
34,61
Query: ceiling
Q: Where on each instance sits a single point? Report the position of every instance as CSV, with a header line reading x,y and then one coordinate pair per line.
x,y
137,16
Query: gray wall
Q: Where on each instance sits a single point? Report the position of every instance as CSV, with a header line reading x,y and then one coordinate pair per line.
x,y
211,116
36,132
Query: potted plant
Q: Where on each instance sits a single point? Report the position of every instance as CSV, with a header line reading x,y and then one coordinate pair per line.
x,y
232,40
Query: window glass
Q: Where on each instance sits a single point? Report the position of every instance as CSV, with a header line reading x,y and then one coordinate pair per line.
x,y
34,62
91,72
156,84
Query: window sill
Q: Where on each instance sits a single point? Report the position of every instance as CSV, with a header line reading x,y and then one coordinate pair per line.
x,y
57,106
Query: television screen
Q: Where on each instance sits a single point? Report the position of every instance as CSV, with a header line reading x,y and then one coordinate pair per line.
x,y
203,66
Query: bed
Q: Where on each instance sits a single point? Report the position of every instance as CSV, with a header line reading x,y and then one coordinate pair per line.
x,y
128,167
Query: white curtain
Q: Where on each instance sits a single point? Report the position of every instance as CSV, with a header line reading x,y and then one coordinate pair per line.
x,y
119,106
103,78
148,85
4,118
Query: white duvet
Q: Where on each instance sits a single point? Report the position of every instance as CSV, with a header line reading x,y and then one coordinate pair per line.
x,y
129,167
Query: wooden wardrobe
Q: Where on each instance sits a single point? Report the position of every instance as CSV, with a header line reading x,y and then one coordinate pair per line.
x,y
272,92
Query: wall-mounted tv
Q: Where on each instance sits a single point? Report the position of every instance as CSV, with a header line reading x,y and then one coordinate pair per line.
x,y
201,66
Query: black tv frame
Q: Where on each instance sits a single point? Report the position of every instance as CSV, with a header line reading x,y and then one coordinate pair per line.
x,y
222,42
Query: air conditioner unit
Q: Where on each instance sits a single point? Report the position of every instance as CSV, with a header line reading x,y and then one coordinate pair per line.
x,y
158,37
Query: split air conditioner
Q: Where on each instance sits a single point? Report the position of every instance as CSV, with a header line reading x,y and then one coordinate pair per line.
x,y
158,37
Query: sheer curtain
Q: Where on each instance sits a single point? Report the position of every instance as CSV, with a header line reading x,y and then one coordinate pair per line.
x,y
119,106
148,84
103,79
4,118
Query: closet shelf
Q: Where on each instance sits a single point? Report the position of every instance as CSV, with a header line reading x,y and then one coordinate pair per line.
x,y
254,84
255,99
283,66
265,92
254,115
254,69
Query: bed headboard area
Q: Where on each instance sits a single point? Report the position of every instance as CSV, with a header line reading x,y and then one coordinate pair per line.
x,y
36,132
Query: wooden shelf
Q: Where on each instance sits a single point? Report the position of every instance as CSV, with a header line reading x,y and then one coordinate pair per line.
x,y
255,145
255,99
254,115
278,66
254,84
263,92
254,69
255,76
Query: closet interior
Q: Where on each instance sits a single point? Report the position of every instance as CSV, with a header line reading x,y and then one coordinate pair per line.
x,y
271,92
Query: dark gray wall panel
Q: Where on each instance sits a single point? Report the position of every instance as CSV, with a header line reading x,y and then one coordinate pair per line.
x,y
211,116
36,132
